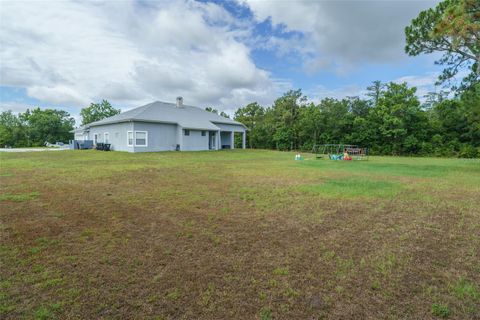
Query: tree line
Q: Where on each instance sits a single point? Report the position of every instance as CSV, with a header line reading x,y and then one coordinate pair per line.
x,y
35,127
391,120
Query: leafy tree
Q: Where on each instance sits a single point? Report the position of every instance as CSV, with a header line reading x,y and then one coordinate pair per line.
x,y
362,132
336,120
211,109
311,125
399,120
252,115
97,111
12,131
360,128
286,111
434,98
453,28
374,91
454,124
47,125
451,120
221,113
357,106
470,100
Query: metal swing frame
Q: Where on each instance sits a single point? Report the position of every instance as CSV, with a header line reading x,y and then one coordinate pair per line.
x,y
335,151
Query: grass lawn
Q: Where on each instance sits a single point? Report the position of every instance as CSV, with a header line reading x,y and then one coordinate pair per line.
x,y
237,234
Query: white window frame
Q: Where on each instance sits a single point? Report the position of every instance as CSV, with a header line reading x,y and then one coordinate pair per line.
x,y
128,139
105,135
135,139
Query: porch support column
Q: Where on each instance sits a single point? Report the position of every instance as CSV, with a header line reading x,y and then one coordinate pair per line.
x,y
219,140
232,140
244,139
179,139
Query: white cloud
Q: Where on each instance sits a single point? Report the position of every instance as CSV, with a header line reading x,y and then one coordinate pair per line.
x,y
418,81
15,107
19,107
72,53
58,94
339,35
424,83
321,92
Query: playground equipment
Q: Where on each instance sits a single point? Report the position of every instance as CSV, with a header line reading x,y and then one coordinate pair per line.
x,y
340,152
298,157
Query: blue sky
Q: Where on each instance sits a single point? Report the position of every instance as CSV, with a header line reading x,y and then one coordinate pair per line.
x,y
66,54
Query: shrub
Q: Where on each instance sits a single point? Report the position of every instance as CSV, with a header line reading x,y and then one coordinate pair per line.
x,y
467,151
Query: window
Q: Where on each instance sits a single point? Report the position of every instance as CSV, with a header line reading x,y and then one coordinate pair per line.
x,y
137,138
106,137
186,132
204,133
95,138
130,138
140,138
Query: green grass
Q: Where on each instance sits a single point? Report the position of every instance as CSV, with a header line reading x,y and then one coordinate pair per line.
x,y
440,310
401,166
19,197
280,271
465,289
352,187
265,314
237,234
47,312
174,294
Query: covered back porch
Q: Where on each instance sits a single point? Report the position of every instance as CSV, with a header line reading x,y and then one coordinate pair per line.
x,y
224,139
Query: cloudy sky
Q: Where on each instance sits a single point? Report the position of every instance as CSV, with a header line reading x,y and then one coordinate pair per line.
x,y
66,54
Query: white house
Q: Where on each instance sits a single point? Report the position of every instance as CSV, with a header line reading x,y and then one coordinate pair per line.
x,y
161,126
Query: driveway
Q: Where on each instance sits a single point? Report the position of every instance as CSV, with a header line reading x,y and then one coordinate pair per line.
x,y
30,149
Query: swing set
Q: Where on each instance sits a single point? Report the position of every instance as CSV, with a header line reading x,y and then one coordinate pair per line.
x,y
340,152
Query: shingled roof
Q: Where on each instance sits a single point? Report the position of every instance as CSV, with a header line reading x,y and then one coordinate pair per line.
x,y
188,117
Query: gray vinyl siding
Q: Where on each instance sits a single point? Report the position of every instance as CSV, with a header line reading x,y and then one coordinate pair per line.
x,y
161,136
117,135
195,141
